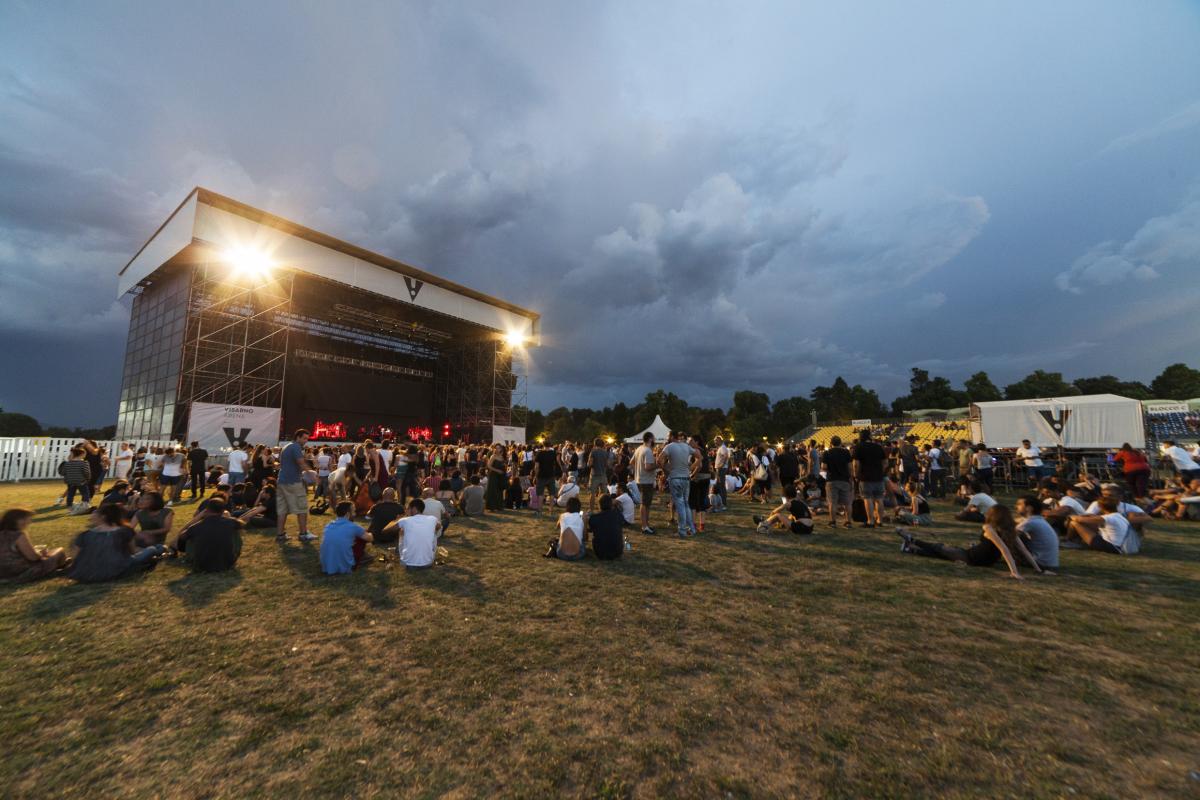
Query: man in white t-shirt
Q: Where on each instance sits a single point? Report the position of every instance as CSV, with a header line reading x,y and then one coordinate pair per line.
x,y
418,534
1182,460
721,463
346,458
645,470
435,508
1031,457
1109,531
237,465
625,504
124,462
568,490
977,506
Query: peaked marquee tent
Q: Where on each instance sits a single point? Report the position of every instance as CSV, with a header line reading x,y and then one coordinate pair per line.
x,y
658,428
1094,421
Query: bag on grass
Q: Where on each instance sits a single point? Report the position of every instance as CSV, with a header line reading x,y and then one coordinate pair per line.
x,y
858,510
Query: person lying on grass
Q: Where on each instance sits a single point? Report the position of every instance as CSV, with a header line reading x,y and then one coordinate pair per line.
x,y
917,512
978,505
571,544
792,514
212,540
107,551
20,559
998,540
344,542
1108,531
418,536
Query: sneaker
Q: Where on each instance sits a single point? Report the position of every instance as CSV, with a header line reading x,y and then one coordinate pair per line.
x,y
757,518
307,537
169,504
905,535
647,531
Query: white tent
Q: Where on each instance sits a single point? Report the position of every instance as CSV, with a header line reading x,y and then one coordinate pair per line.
x,y
658,428
1095,421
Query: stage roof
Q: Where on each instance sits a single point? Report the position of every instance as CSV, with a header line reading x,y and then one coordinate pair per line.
x,y
211,220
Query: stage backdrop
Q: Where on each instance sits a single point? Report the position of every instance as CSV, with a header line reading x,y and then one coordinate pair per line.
x,y
218,428
506,433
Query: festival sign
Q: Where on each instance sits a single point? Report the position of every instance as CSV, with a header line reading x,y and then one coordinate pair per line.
x,y
508,434
222,427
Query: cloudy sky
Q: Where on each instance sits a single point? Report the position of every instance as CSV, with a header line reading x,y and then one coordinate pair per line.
x,y
697,196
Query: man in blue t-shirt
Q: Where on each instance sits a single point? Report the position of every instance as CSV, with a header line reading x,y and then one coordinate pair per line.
x,y
291,495
344,544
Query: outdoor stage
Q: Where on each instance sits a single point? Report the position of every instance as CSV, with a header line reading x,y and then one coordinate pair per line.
x,y
233,305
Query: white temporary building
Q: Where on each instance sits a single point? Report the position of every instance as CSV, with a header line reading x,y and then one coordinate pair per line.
x,y
1094,421
658,428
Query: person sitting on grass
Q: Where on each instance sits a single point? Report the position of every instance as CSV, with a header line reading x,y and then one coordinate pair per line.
x,y
625,503
570,544
1108,532
963,495
716,502
419,534
1039,537
605,528
383,514
212,541
435,509
792,514
344,542
472,502
918,512
107,552
568,490
20,560
998,540
978,505
152,519
1176,502
1136,516
264,512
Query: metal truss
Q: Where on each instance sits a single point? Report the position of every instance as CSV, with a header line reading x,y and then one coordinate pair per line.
x,y
478,382
235,341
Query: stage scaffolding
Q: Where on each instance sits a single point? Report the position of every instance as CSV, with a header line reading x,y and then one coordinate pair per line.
x,y
236,339
481,383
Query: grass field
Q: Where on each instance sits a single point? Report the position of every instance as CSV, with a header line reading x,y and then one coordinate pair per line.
x,y
734,665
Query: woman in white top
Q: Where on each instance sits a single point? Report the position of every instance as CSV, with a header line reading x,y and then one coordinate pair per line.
x,y
124,462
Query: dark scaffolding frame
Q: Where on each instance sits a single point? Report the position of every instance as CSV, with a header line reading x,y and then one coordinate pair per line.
x,y
236,340
481,383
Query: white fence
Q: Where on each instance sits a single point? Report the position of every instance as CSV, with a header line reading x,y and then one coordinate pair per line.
x,y
36,458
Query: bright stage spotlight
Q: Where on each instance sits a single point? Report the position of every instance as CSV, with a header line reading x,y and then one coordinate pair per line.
x,y
514,339
248,261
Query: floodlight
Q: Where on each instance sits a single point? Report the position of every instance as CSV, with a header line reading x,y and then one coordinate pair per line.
x,y
514,339
248,261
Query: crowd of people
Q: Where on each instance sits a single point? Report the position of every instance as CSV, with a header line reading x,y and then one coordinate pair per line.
x,y
407,494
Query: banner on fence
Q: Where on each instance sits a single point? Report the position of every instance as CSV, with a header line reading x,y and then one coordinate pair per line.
x,y
861,423
1165,407
219,427
507,433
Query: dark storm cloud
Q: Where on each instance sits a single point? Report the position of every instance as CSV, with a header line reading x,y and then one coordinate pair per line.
x,y
702,198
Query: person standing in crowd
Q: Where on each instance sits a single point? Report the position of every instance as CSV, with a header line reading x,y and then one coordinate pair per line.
x,y
77,476
94,456
291,496
868,470
1182,460
938,461
676,459
698,482
982,461
1135,469
545,470
598,463
909,459
1031,456
153,466
172,475
124,464
237,465
20,560
197,458
838,487
721,465
645,468
497,479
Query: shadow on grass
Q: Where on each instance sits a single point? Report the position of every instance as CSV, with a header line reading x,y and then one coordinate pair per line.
x,y
451,578
71,597
198,589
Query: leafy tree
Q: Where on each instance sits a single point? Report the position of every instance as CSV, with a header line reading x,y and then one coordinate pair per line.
x,y
669,406
1110,384
789,416
750,415
867,402
1177,382
927,392
980,389
14,424
842,401
1039,383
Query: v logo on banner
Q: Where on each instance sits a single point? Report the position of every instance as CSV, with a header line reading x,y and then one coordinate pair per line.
x,y
239,440
1057,420
414,287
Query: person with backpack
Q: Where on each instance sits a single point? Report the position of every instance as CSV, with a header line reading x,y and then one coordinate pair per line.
x,y
938,467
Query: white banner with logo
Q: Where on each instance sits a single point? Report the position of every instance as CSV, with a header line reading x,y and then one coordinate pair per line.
x,y
1165,408
508,434
220,427
861,423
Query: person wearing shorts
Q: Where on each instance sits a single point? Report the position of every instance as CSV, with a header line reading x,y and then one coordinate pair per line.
x,y
645,468
291,495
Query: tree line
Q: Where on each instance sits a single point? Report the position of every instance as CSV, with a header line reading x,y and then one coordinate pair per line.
x,y
753,415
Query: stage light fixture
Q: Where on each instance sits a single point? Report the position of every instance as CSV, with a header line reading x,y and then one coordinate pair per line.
x,y
514,339
248,261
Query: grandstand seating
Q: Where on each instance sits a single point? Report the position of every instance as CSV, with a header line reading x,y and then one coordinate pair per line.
x,y
925,432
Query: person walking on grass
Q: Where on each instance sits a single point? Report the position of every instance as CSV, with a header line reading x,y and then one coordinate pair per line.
x,y
291,495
